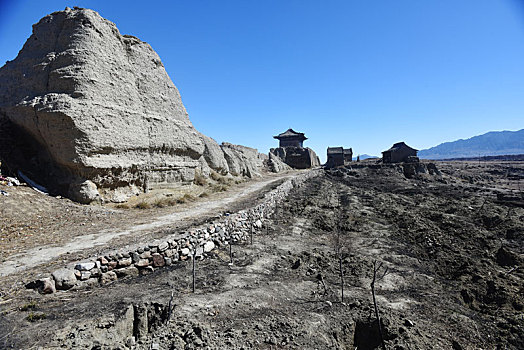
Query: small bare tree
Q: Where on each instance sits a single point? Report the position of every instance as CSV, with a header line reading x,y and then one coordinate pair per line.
x,y
341,246
229,226
251,217
170,307
379,272
194,268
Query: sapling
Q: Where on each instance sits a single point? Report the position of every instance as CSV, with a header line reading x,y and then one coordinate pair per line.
x,y
171,306
251,225
377,277
341,248
194,269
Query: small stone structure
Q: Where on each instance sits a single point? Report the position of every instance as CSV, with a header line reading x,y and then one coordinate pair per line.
x,y
338,156
292,152
348,156
291,138
335,157
400,152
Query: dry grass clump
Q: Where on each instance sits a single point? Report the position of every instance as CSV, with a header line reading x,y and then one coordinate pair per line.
x,y
143,205
29,306
169,202
214,175
161,202
199,180
219,188
34,316
225,180
185,198
219,183
122,206
164,202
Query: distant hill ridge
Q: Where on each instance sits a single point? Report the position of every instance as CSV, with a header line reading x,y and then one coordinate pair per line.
x,y
493,143
364,156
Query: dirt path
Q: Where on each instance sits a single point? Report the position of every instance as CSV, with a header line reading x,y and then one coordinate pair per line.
x,y
40,255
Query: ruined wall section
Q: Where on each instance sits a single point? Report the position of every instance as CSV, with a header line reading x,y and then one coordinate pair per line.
x,y
102,108
297,157
177,247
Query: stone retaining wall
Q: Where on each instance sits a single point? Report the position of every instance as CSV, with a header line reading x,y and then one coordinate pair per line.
x,y
194,243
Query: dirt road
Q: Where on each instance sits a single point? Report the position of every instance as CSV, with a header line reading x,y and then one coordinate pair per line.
x,y
128,230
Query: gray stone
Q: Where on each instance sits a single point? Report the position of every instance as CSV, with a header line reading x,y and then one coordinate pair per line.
x,y
108,277
145,255
124,262
64,278
168,261
209,246
85,266
184,251
84,192
46,285
131,271
95,272
158,260
142,263
135,257
91,282
163,246
85,275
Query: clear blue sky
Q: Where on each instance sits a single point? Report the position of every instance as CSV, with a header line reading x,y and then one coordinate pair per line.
x,y
361,74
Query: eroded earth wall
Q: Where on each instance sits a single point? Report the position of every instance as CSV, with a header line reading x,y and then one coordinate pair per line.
x,y
98,113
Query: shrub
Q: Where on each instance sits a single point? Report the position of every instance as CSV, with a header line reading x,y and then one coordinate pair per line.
x,y
220,188
32,317
29,306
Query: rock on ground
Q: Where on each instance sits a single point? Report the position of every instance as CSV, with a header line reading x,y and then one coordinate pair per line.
x,y
64,278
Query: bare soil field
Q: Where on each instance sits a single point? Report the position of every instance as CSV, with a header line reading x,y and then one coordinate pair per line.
x,y
452,244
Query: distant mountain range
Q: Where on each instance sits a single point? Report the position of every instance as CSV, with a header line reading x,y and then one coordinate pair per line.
x,y
364,156
493,143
